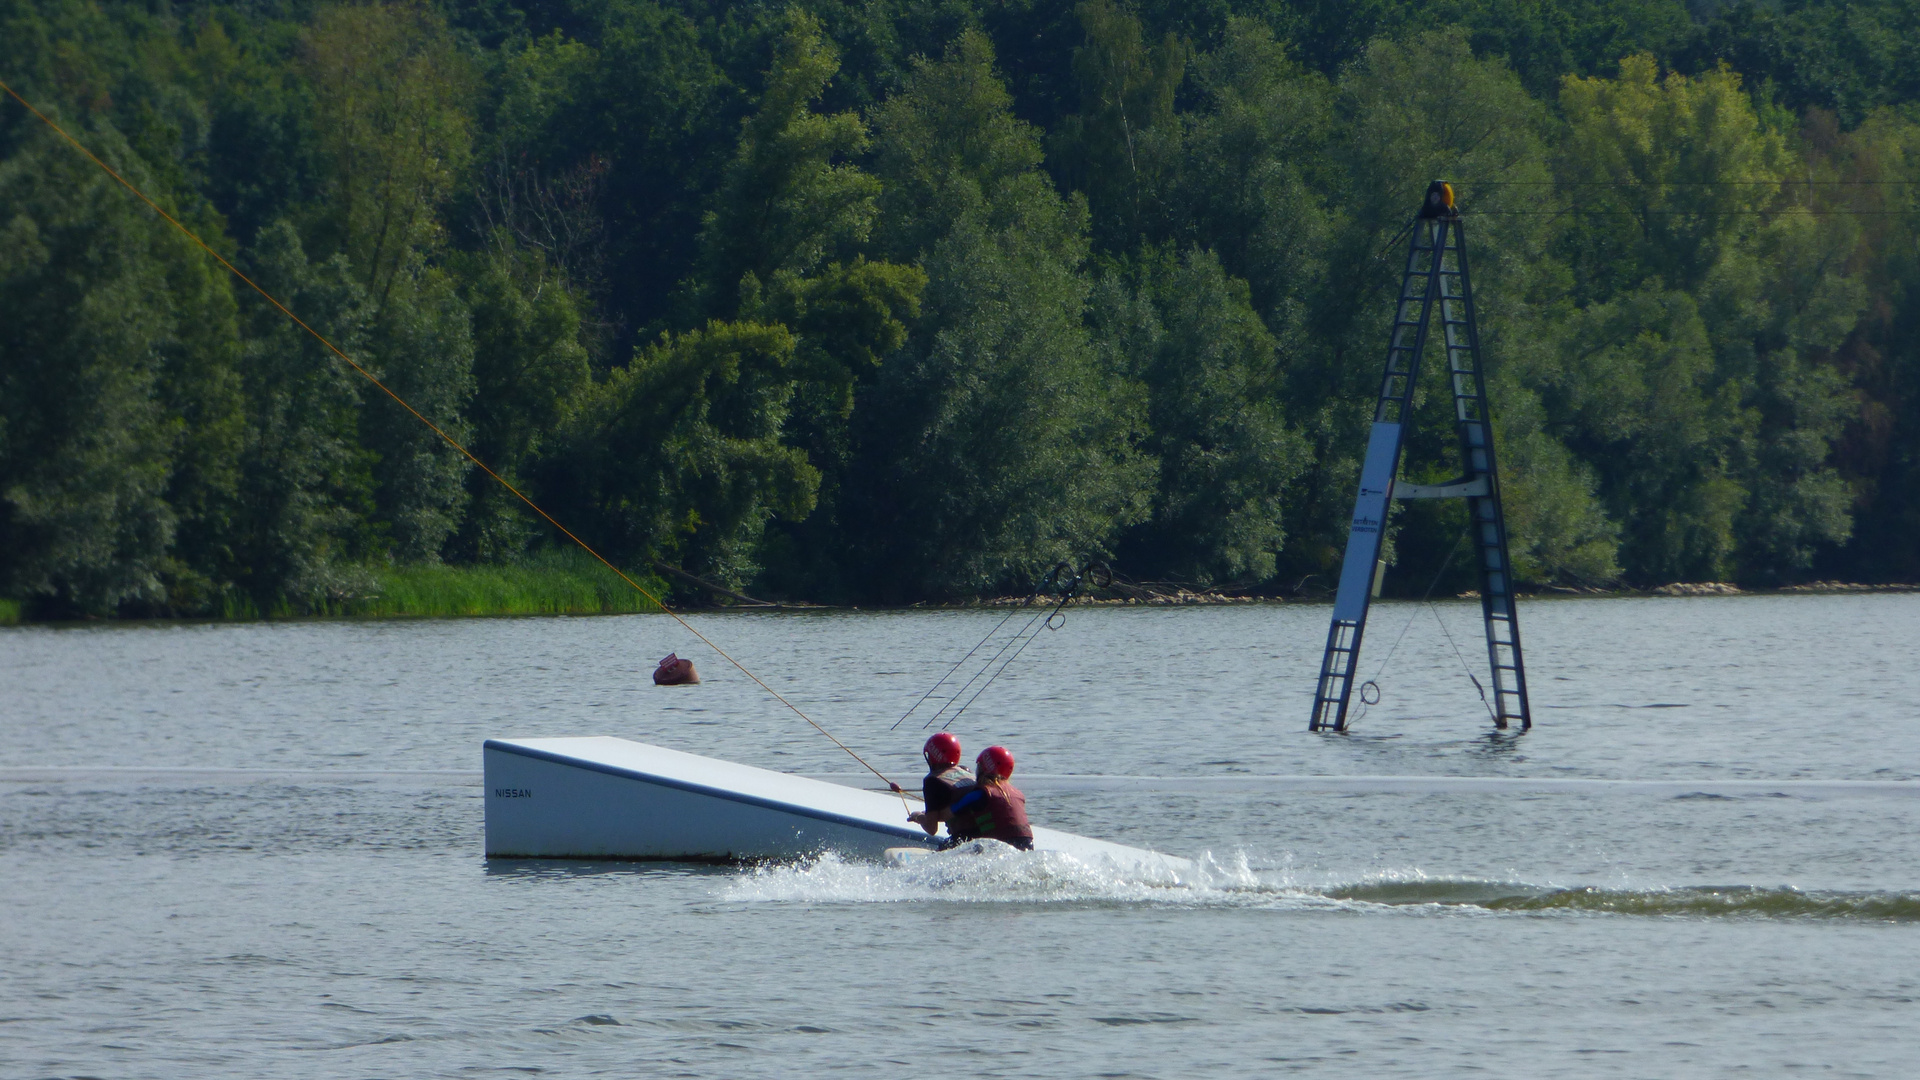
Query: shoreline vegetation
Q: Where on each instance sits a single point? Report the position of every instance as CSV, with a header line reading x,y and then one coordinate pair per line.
x,y
886,302
553,583
581,587
1184,597
551,586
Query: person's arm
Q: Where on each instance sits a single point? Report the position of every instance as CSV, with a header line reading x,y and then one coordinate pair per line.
x,y
928,819
936,795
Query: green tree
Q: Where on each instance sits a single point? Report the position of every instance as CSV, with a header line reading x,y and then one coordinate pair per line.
x,y
662,117
530,370
996,444
421,346
1121,147
85,444
1408,113
390,92
1212,374
790,198
1248,181
1708,353
949,147
678,456
1848,56
537,98
306,486
1634,393
1678,168
1696,275
1429,109
1557,527
847,320
200,391
1879,451
1545,42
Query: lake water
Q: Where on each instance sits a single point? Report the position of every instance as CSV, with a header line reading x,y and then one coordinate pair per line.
x,y
255,851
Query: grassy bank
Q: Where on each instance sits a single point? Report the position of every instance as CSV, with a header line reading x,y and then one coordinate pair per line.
x,y
553,583
565,583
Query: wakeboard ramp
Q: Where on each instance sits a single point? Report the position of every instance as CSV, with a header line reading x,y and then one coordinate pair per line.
x,y
598,797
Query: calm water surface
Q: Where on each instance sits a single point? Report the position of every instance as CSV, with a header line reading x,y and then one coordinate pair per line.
x,y
255,851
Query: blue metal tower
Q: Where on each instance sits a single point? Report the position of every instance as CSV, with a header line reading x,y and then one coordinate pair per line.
x,y
1436,276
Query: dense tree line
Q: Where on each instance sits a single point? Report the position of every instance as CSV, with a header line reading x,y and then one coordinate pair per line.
x,y
913,298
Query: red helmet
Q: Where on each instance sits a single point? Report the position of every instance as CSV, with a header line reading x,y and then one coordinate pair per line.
x,y
942,751
994,761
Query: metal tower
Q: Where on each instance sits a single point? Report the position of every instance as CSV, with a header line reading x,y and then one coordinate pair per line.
x,y
1436,274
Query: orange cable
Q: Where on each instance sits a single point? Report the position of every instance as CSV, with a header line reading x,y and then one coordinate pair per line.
x,y
451,441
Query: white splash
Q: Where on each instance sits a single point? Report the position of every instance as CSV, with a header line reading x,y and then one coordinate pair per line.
x,y
1021,877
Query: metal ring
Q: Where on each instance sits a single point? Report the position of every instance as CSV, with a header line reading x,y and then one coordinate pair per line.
x,y
1058,578
1369,685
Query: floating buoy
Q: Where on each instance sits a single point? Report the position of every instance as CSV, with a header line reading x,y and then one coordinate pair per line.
x,y
674,671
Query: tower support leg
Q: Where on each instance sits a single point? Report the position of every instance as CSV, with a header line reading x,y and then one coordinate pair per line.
x,y
1436,277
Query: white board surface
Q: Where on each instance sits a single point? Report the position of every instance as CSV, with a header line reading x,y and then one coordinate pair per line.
x,y
604,797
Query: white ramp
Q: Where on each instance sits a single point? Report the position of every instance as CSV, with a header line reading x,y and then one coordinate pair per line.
x,y
599,797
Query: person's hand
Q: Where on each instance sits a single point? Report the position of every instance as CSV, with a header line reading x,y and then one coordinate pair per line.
x,y
918,817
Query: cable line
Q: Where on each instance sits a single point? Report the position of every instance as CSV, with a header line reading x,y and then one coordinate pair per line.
x,y
1427,599
450,440
1063,578
1093,571
1011,612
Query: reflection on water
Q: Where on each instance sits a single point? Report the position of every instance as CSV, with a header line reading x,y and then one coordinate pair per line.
x,y
638,869
1499,743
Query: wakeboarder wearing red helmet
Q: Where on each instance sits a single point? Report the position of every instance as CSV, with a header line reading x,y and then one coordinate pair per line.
x,y
994,809
946,781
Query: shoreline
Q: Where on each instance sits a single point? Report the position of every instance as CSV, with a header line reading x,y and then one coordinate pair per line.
x,y
1185,598
551,585
445,592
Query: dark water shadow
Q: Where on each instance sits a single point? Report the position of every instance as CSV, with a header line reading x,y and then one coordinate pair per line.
x,y
1497,744
569,869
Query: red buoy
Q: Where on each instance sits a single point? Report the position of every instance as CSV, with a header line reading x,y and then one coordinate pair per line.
x,y
674,671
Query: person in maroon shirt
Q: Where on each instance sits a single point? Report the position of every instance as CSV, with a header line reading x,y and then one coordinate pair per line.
x,y
946,781
994,809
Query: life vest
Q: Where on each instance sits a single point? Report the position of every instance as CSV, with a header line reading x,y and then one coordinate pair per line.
x,y
941,789
996,811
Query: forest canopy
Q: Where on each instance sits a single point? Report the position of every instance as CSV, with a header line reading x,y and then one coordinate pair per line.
x,y
902,300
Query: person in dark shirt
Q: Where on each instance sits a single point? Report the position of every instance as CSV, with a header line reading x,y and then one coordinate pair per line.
x,y
994,809
946,781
